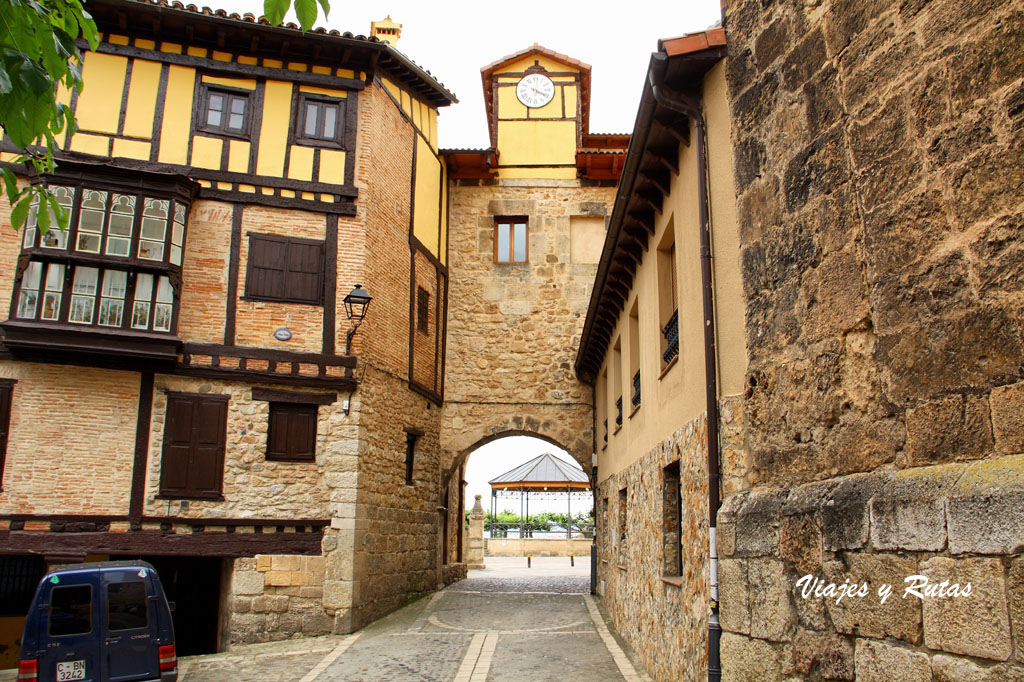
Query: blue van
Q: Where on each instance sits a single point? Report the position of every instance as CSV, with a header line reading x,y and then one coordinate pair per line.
x,y
101,622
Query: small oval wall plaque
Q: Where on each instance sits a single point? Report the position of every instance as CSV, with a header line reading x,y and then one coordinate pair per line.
x,y
282,334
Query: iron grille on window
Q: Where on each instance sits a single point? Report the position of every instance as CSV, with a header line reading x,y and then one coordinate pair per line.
x,y
618,411
671,334
636,389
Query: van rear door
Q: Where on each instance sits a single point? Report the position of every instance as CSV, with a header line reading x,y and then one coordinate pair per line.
x,y
130,625
68,627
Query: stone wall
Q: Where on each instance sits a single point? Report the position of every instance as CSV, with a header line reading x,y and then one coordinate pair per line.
x,y
513,328
879,189
664,618
275,597
578,547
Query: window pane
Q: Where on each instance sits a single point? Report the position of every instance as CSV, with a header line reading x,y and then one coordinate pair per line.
x,y
54,288
110,312
519,242
236,122
143,297
71,610
86,280
91,219
216,102
237,105
213,118
127,607
84,299
115,283
33,275
30,225
119,230
330,120
55,238
27,303
164,306
154,228
311,111
503,242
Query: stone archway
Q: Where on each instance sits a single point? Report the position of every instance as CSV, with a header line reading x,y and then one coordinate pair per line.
x,y
465,428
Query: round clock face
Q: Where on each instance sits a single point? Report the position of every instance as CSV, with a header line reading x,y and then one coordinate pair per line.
x,y
535,90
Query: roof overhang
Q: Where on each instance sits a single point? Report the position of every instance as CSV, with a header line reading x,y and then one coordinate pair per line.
x,y
680,64
160,20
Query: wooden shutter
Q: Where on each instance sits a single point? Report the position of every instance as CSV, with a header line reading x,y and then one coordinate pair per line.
x,y
266,273
6,393
303,272
292,432
192,464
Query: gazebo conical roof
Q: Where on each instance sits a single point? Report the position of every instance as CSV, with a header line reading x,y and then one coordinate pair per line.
x,y
545,472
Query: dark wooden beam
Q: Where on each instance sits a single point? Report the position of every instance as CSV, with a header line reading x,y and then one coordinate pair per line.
x,y
676,126
659,178
653,199
643,218
668,156
158,542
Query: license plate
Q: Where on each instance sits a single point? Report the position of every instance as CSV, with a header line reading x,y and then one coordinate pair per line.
x,y
70,670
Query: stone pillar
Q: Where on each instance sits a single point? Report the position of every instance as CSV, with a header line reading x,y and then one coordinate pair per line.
x,y
475,555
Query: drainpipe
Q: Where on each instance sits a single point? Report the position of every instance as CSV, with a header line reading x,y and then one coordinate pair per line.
x,y
690,105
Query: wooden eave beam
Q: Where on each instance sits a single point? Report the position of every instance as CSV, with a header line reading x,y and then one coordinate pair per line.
x,y
657,178
676,126
668,156
653,199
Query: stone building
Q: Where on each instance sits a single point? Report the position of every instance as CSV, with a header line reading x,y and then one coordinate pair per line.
x,y
527,219
176,376
868,354
645,348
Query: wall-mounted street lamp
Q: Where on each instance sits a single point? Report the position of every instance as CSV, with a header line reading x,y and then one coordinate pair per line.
x,y
356,304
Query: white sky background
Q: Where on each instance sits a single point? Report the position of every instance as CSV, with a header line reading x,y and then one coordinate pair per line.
x,y
492,460
454,40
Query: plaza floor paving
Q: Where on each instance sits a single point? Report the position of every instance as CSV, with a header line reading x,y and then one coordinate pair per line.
x,y
504,623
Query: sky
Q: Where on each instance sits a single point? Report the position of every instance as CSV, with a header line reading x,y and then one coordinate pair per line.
x,y
492,460
454,40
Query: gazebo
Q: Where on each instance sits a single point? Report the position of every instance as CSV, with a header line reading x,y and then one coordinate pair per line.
x,y
544,475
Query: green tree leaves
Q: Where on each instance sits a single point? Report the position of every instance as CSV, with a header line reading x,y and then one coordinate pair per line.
x,y
38,52
305,11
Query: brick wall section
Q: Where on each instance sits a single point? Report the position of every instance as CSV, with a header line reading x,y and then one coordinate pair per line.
x,y
10,247
253,487
425,353
665,623
72,440
257,320
879,191
513,329
383,171
204,286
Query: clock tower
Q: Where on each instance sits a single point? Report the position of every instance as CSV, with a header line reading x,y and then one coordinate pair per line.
x,y
538,108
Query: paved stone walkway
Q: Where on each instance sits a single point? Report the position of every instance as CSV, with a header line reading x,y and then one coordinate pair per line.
x,y
505,623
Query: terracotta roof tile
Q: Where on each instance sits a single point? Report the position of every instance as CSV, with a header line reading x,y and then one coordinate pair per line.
x,y
693,42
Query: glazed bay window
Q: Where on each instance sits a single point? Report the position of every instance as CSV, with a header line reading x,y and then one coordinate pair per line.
x,y
117,267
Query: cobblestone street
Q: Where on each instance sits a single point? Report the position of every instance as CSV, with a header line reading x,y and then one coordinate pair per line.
x,y
504,623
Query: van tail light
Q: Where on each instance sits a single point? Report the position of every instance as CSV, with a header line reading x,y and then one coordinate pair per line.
x,y
28,670
168,659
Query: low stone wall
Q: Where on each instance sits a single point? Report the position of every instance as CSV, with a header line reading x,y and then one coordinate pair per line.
x,y
453,573
537,546
664,618
949,525
275,597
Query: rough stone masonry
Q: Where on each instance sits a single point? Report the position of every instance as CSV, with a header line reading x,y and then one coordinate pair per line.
x,y
879,183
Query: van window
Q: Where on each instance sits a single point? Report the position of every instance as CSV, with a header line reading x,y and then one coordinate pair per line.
x,y
126,606
71,610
